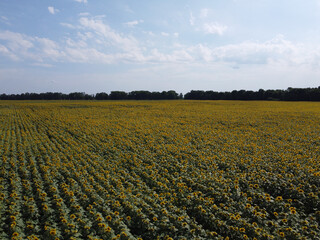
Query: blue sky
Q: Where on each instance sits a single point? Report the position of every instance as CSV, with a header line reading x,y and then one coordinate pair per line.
x,y
101,45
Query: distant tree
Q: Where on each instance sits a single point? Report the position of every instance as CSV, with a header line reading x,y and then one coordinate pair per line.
x,y
314,94
195,94
140,95
156,95
290,94
169,95
77,96
297,94
89,96
260,94
102,96
118,95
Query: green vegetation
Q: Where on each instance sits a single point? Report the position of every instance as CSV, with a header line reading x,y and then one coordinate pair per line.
x,y
291,94
159,170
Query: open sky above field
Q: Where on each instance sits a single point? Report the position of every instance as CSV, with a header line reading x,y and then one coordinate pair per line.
x,y
101,45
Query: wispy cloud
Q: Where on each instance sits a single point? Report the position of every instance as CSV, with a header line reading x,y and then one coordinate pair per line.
x,y
76,44
133,23
95,41
128,43
52,10
204,13
275,50
17,46
81,1
5,20
16,41
49,49
204,52
176,56
46,65
68,25
128,9
6,52
24,47
88,55
214,28
191,19
150,33
84,14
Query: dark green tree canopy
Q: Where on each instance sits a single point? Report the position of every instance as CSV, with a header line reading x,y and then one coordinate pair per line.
x,y
290,94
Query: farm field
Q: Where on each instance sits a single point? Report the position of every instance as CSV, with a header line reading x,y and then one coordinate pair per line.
x,y
159,170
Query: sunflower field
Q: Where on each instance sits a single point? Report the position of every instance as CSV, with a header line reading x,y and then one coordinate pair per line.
x,y
159,170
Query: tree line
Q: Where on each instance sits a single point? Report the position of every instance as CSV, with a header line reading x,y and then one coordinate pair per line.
x,y
113,95
290,94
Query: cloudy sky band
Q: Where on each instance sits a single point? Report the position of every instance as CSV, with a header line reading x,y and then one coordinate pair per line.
x,y
126,38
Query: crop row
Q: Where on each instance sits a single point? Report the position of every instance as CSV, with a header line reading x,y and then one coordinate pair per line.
x,y
159,170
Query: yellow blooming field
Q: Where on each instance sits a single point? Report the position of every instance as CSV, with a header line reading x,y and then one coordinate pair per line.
x,y
159,170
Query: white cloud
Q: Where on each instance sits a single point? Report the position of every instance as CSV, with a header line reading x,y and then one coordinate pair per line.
x,y
96,42
88,55
19,45
191,19
84,14
81,1
5,51
16,41
214,28
205,52
84,36
150,33
46,65
275,50
24,47
165,34
133,23
157,56
5,20
176,56
128,44
76,44
68,25
99,16
53,10
49,49
204,12
42,51
181,56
